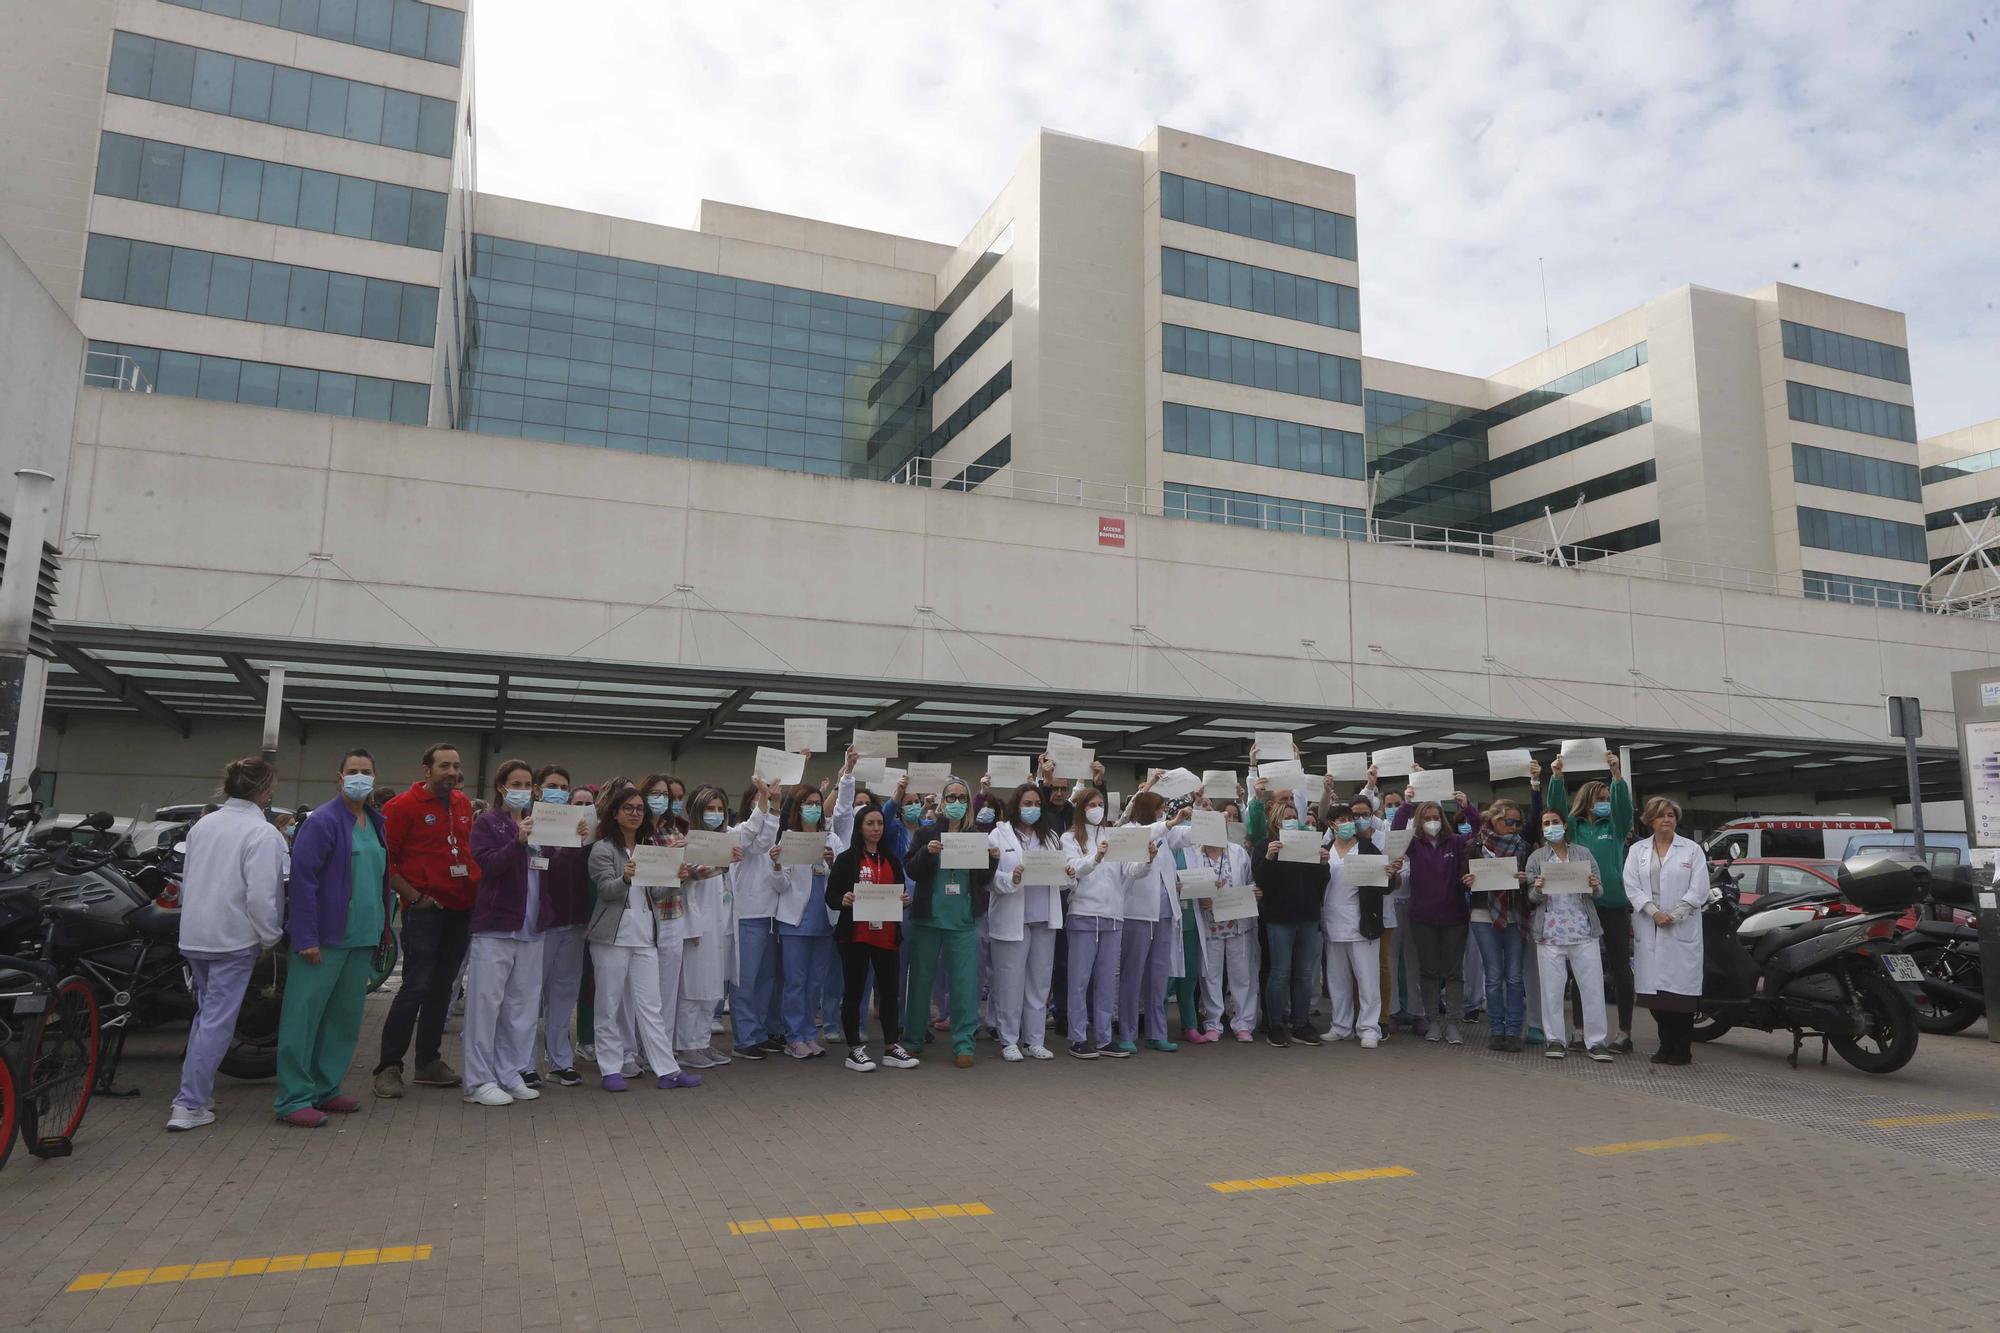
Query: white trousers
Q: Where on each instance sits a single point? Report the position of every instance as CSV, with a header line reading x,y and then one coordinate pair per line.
x,y
1582,961
695,1013
1022,971
1233,960
1354,988
672,975
562,981
628,1000
503,998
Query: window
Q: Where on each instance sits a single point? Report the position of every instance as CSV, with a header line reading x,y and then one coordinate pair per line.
x,y
1858,534
1555,446
1220,208
1598,371
226,379
1234,437
1844,351
197,282
967,412
1266,291
423,32
1967,466
1624,539
1855,472
1804,843
1864,592
1597,488
1847,411
1972,514
981,469
162,71
1259,365
1208,504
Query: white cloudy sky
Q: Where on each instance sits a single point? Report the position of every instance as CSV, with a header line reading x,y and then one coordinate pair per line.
x,y
1843,146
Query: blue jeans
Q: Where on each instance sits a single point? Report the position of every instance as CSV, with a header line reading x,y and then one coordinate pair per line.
x,y
1500,960
1288,991
753,1000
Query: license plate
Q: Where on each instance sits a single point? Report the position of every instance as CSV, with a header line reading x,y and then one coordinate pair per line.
x,y
1902,967
29,1003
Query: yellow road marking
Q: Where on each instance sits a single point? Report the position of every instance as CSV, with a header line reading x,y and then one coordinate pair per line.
x,y
279,1263
1953,1118
1313,1178
859,1218
1654,1145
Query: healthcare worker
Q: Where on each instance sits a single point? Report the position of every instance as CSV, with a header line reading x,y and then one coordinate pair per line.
x,y
1667,878
1565,927
1093,926
1024,924
565,952
708,951
1353,971
805,926
945,906
624,948
1229,961
503,976
1150,948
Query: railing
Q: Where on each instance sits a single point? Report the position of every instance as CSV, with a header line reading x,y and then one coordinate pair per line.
x,y
1279,515
114,370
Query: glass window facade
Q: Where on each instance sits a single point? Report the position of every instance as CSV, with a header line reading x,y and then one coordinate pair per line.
x,y
244,187
161,71
981,469
1576,437
975,338
1259,365
1596,488
1858,534
1266,291
1967,466
1257,216
968,411
1561,387
1971,513
1855,472
423,32
1613,543
614,352
1236,437
196,282
1862,592
226,379
1428,460
1844,351
1848,411
1243,509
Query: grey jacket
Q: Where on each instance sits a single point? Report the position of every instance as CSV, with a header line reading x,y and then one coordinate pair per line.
x,y
610,893
1538,925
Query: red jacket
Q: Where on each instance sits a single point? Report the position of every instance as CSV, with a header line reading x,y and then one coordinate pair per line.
x,y
426,841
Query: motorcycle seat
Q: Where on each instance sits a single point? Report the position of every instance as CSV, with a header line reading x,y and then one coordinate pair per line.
x,y
155,921
1946,930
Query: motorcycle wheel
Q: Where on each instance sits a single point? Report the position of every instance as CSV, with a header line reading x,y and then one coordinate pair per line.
x,y
1707,1027
1891,1038
385,963
253,1048
1945,1017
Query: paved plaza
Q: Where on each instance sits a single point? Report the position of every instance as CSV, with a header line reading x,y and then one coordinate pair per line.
x,y
1221,1187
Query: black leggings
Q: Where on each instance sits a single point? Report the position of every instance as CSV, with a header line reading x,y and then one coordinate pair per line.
x,y
855,962
1617,950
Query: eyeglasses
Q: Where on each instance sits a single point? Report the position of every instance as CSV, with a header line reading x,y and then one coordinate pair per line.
x,y
1509,820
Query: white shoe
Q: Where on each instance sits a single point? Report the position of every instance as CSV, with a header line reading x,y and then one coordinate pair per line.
x,y
521,1092
1554,1052
714,1027
489,1094
858,1061
1040,1053
1011,1054
183,1118
1369,1041
586,1050
694,1059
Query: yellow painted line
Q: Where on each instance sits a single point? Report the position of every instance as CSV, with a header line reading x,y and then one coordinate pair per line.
x,y
1312,1178
764,1226
1655,1145
277,1263
1953,1118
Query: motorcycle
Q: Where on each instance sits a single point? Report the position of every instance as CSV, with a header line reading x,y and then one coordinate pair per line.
x,y
1786,964
1946,950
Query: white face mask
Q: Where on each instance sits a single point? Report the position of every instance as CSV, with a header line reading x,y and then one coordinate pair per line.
x,y
1431,827
1094,815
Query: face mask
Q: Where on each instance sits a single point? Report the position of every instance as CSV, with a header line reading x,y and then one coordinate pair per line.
x,y
1291,823
1094,815
679,806
519,798
1602,809
1464,829
954,809
1344,831
658,805
357,786
711,819
1431,827
914,810
1554,832
1030,813
555,795
986,817
809,815
1389,811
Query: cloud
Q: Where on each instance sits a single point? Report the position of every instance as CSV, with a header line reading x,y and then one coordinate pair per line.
x,y
1632,148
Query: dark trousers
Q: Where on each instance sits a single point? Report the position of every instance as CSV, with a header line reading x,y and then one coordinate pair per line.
x,y
856,962
434,944
1676,1033
1617,950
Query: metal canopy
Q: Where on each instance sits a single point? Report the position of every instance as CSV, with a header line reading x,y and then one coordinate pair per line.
x,y
175,678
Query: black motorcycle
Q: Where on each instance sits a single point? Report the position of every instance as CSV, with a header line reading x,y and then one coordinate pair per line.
x,y
1789,964
1946,951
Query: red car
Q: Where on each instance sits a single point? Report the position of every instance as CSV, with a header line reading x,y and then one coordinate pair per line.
x,y
1762,876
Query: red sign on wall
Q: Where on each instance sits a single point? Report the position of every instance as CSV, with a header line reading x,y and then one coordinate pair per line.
x,y
1110,532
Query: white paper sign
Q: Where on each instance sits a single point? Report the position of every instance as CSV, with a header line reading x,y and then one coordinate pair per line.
x,y
1283,775
1351,767
1272,744
1493,874
963,851
872,774
805,733
1432,784
801,848
657,867
1071,761
1176,783
555,824
1044,865
1396,842
1127,843
779,767
1233,902
1299,844
1059,741
1567,876
1219,784
928,779
1196,883
1394,762
1237,833
876,903
1115,802
1209,828
1502,765
1312,788
1362,871
875,744
1008,771
1584,756
892,777
706,847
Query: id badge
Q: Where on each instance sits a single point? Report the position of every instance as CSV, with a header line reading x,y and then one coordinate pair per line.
x,y
538,863
951,890
459,872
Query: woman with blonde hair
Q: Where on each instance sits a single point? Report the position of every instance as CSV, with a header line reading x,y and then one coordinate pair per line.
x,y
1667,876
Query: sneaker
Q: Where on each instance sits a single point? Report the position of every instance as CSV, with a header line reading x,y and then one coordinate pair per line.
x,y
1535,1037
1432,1032
1243,1034
614,1083
1193,1036
694,1059
1474,1015
565,1078
1554,1052
1369,1041
962,1061
714,1027
1601,1054
306,1117
1162,1044
389,1081
1040,1053
436,1074
1622,1045
858,1061
716,1057
520,1092
633,1069
773,1044
831,1037
940,1025
1331,1035
1304,1035
816,1048
185,1118
338,1104
587,1050
1115,1050
1576,1043
1012,1054
798,1050
899,1057
1496,1042
748,1052
530,1079
680,1080
1276,1037
1083,1050
1515,1045
488,1094
1452,1036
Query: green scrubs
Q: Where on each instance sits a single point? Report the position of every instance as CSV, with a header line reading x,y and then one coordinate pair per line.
x,y
947,930
321,1021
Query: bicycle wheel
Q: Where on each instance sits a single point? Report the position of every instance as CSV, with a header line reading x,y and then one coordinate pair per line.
x,y
61,1067
9,1107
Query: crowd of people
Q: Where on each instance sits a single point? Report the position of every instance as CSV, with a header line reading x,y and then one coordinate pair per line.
x,y
621,940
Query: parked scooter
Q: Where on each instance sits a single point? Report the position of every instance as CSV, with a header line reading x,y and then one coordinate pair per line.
x,y
1784,964
1946,950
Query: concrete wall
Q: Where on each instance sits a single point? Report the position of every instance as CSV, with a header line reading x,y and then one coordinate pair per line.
x,y
52,73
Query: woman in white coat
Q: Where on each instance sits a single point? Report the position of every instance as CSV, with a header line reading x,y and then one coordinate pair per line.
x,y
1022,923
708,946
1150,954
1092,929
1666,877
1228,948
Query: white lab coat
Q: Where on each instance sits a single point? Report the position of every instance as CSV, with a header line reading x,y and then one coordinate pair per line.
x,y
1007,907
232,889
1100,885
1143,882
794,884
1667,958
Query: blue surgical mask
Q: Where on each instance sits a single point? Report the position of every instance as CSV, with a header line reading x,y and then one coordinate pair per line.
x,y
913,810
954,809
985,816
658,805
1554,832
679,806
711,819
1602,809
1464,828
1030,813
1344,831
809,815
555,795
519,798
1291,823
357,786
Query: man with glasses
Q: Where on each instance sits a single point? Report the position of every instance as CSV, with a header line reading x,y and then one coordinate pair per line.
x,y
432,871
